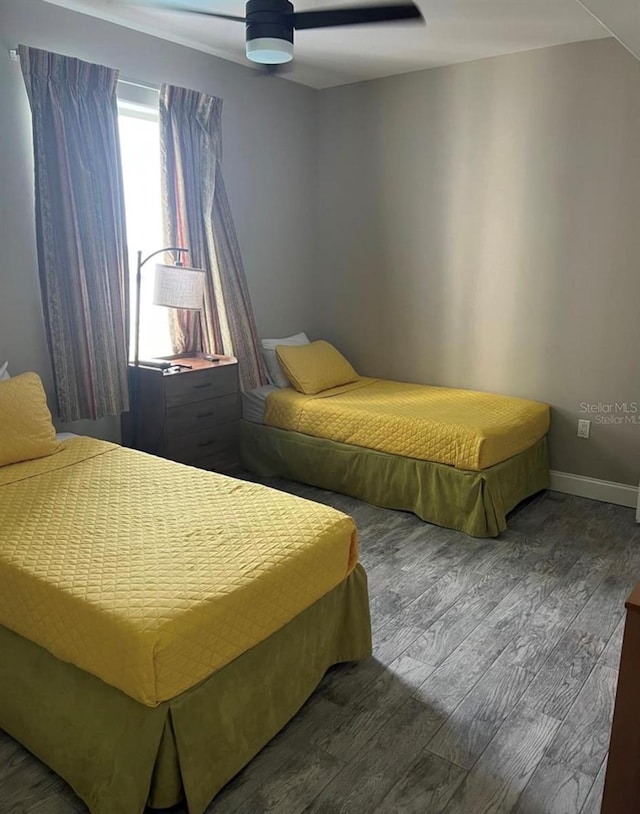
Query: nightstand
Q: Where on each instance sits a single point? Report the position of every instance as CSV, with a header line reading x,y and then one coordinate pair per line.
x,y
191,416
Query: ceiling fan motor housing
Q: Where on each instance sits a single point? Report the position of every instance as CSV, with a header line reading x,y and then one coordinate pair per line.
x,y
269,30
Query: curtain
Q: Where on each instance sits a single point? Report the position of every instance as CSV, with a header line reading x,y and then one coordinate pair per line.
x,y
80,230
197,216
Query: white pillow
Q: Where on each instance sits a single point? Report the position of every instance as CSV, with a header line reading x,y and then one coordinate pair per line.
x,y
275,372
4,372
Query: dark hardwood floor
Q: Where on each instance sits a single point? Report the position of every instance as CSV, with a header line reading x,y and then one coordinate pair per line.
x,y
491,686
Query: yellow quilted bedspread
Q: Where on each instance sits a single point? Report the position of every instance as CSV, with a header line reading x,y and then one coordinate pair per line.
x,y
152,575
462,428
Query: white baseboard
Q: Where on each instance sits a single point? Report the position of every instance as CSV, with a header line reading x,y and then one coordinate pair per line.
x,y
604,490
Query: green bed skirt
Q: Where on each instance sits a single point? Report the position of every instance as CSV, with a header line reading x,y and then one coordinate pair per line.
x,y
476,503
119,755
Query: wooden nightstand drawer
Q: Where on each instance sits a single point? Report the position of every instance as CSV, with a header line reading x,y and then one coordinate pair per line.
x,y
200,385
217,441
191,416
201,415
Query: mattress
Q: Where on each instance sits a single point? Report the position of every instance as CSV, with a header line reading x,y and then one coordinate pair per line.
x,y
117,754
254,403
461,428
152,575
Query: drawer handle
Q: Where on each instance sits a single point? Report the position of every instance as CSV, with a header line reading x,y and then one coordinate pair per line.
x,y
205,415
200,386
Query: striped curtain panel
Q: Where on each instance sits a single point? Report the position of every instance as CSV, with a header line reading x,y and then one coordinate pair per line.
x,y
197,216
80,227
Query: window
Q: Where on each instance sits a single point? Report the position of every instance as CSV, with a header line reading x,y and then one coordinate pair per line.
x,y
140,147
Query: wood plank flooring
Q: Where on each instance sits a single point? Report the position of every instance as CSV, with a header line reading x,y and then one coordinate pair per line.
x,y
491,686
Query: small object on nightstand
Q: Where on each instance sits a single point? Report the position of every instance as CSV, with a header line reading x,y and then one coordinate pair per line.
x,y
212,358
190,412
159,364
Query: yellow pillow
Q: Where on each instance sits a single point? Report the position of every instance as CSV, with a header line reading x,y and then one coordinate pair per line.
x,y
315,367
26,431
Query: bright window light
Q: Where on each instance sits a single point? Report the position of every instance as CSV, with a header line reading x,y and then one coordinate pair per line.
x,y
140,148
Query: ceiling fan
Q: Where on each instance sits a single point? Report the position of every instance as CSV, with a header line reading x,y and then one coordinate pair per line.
x,y
270,23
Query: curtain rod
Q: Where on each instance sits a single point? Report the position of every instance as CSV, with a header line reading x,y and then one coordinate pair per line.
x,y
138,84
14,56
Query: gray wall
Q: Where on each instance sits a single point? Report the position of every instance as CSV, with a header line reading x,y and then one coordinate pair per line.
x,y
480,227
473,226
269,160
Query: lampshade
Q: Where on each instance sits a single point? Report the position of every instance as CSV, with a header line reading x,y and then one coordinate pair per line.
x,y
269,50
178,287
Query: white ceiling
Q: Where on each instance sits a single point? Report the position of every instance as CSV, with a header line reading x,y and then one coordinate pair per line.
x,y
456,31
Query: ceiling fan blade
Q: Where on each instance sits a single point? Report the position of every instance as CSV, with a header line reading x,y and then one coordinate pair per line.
x,y
356,15
210,14
176,5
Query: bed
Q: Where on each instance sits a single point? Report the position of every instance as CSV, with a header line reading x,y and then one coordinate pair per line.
x,y
160,624
458,458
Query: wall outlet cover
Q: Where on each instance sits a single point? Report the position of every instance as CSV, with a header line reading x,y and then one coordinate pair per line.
x,y
584,428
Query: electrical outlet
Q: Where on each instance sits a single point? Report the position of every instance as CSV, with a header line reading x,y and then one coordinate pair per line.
x,y
584,428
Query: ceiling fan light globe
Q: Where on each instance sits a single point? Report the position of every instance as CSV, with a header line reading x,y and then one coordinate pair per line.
x,y
269,51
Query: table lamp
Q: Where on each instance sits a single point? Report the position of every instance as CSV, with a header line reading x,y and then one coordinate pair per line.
x,y
176,286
